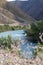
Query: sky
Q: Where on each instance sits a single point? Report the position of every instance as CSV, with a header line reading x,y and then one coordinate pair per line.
x,y
10,0
18,0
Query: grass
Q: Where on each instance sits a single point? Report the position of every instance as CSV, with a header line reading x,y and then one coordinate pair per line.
x,y
39,44
6,42
35,53
8,28
40,49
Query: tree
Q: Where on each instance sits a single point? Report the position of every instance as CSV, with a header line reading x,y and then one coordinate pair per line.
x,y
36,29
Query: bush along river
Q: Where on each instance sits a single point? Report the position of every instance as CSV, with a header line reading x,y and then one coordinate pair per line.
x,y
26,47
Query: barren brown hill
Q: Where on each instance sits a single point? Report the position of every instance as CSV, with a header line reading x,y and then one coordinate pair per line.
x,y
7,17
12,14
18,12
7,13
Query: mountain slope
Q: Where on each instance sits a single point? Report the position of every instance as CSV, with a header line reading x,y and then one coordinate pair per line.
x,y
7,13
10,13
12,7
33,8
7,17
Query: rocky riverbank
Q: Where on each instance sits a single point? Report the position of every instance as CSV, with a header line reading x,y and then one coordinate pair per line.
x,y
12,57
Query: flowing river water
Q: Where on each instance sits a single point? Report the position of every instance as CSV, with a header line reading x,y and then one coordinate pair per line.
x,y
27,47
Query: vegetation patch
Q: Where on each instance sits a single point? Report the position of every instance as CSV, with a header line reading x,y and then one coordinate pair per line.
x,y
6,42
9,28
35,31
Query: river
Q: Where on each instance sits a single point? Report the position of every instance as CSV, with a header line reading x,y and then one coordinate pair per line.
x,y
27,47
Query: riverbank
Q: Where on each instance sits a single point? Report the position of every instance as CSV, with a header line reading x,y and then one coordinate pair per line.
x,y
12,57
4,28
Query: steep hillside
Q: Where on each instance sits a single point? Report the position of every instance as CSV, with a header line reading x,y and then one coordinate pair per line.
x,y
18,12
7,13
6,20
33,8
7,17
10,13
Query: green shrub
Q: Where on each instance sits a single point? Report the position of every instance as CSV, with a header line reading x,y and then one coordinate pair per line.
x,y
6,42
35,53
36,28
7,28
17,42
